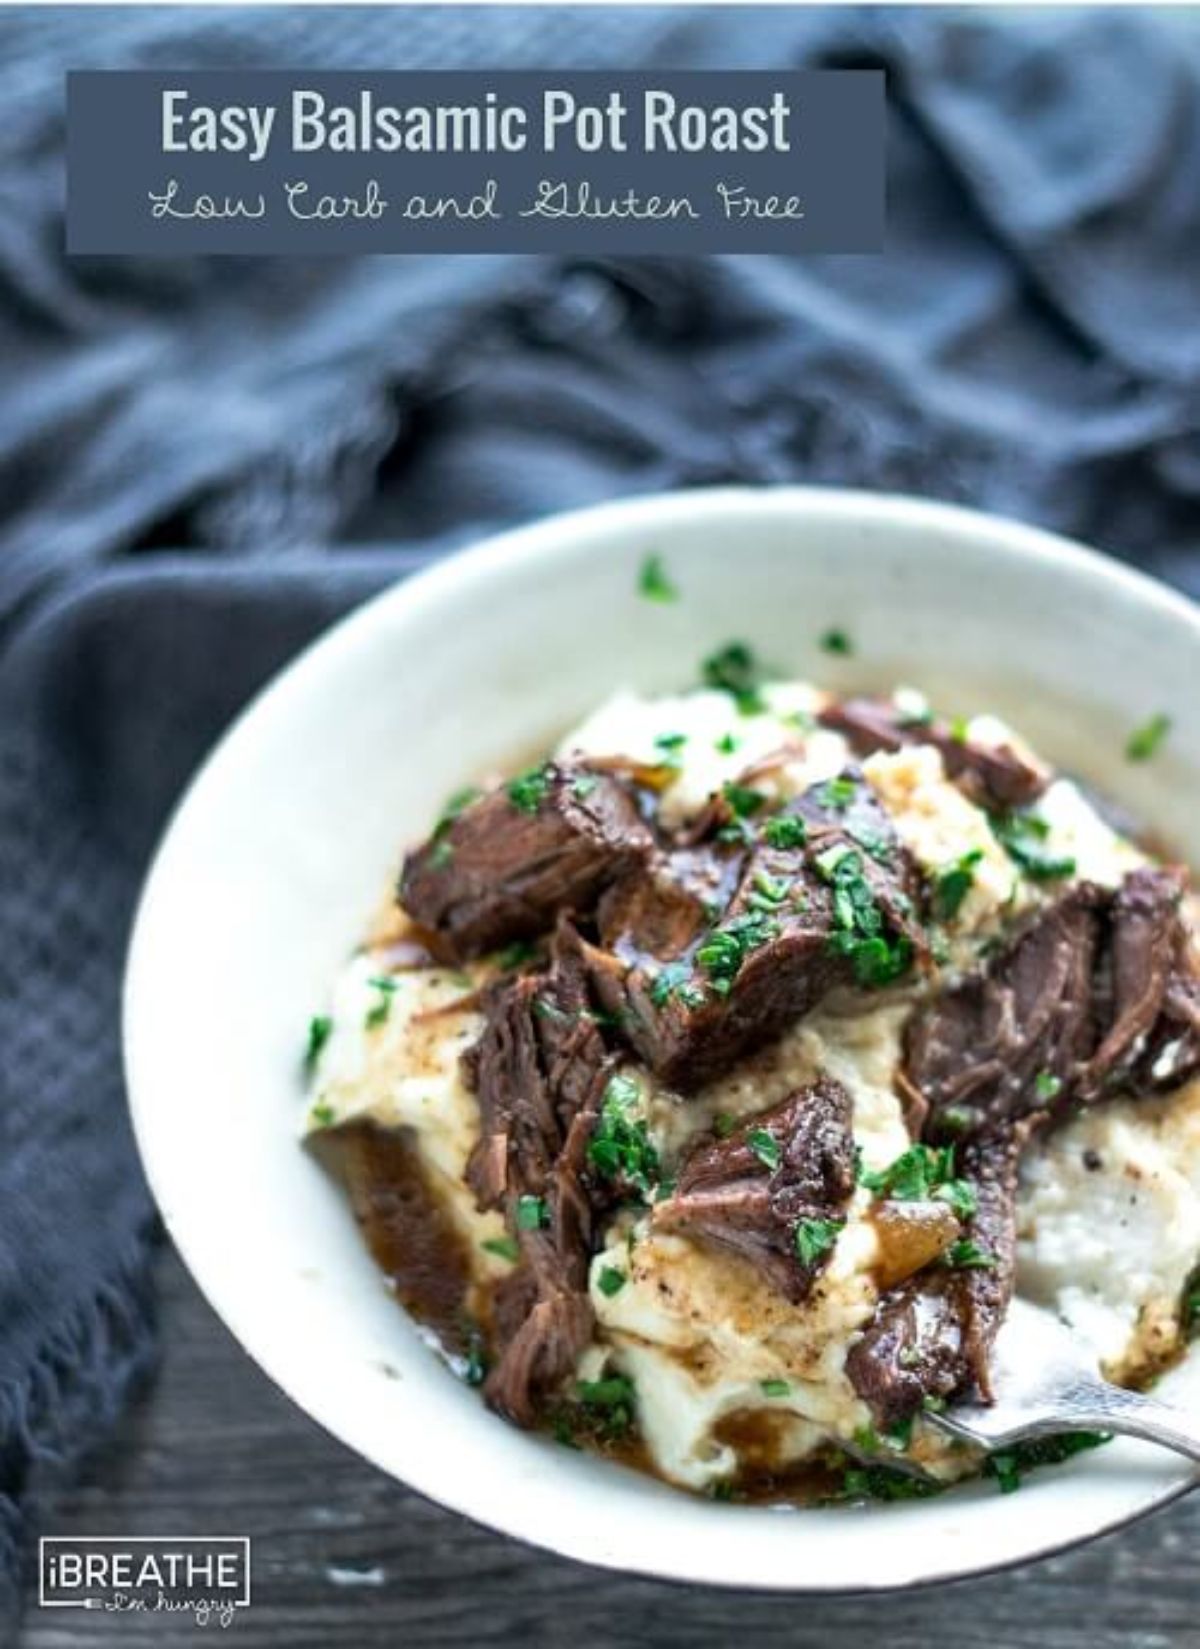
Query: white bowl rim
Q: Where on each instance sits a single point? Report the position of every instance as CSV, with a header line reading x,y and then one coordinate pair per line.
x,y
1016,539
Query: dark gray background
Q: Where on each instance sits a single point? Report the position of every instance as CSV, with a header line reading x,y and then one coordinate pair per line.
x,y
835,166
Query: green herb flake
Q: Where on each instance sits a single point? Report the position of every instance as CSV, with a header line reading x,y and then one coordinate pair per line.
x,y
734,669
654,583
815,1238
611,1281
504,1248
454,805
620,1148
378,1013
322,1116
1046,1085
1144,741
966,1255
837,794
742,801
785,830
774,1388
725,950
858,925
673,980
670,747
584,786
764,1146
320,1029
1022,836
531,1213
837,643
610,1404
1009,1466
723,1124
727,744
529,790
516,955
952,883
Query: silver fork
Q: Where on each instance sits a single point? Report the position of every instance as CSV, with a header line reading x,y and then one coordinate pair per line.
x,y
1044,1383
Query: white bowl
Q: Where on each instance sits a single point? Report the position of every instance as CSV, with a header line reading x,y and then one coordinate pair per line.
x,y
282,845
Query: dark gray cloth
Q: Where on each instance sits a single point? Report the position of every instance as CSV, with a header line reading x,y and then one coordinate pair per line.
x,y
201,464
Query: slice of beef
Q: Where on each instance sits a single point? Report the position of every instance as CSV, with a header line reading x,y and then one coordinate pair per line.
x,y
792,931
1148,991
993,775
539,1071
1008,1040
750,1192
656,911
931,1337
504,868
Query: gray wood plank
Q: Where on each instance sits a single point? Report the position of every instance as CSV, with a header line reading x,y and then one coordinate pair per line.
x,y
343,1556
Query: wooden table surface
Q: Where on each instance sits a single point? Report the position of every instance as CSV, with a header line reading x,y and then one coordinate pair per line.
x,y
342,1556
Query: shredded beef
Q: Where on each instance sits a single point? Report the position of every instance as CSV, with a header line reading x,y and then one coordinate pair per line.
x,y
500,871
993,775
539,1071
727,1194
1148,995
1007,1041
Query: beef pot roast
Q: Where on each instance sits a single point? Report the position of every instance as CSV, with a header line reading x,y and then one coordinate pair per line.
x,y
785,1169
504,867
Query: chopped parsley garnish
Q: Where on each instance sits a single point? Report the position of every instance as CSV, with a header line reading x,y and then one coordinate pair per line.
x,y
1046,1085
1145,740
922,1173
506,1248
815,1238
735,670
726,949
838,643
528,791
774,1388
886,1483
1008,1466
741,800
324,1116
1023,837
669,746
952,883
377,1014
654,583
966,1255
960,729
320,1029
531,1213
838,793
785,830
858,927
620,1147
764,1146
442,855
610,1404
726,745
672,979
453,806
768,893
723,1124
583,786
610,1281
516,955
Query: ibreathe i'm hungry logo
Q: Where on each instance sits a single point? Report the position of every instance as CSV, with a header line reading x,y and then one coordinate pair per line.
x,y
206,1576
